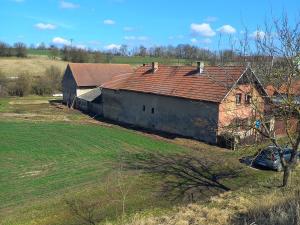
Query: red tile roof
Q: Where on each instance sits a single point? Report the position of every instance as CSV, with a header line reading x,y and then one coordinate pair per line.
x,y
95,74
270,89
294,89
181,81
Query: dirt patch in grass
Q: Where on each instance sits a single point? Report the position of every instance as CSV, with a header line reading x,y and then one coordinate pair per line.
x,y
33,116
29,102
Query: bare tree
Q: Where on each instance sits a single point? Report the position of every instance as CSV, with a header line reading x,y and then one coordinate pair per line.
x,y
20,49
85,211
279,41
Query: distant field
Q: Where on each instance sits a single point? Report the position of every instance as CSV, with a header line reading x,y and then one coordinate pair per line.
x,y
33,66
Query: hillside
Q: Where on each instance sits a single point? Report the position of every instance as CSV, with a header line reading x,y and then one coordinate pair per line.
x,y
92,163
33,65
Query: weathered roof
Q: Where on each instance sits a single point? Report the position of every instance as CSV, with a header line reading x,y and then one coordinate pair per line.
x,y
91,95
294,88
182,81
95,74
270,89
282,90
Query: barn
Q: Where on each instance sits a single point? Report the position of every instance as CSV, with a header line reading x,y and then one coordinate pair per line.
x,y
81,78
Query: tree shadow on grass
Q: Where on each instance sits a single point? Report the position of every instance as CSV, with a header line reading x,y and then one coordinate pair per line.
x,y
186,177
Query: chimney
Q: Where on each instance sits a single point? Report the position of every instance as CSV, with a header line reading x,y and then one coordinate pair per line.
x,y
154,66
200,67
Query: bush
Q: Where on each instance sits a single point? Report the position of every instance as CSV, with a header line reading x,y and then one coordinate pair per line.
x,y
21,86
3,84
54,75
20,49
48,84
41,86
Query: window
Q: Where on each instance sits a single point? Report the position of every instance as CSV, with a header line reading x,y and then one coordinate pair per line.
x,y
238,99
144,108
248,99
152,110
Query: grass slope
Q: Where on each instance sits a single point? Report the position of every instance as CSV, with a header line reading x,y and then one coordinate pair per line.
x,y
49,154
33,66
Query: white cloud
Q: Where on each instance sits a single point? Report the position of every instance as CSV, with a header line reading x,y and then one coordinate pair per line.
x,y
60,41
112,47
258,34
128,29
138,38
227,29
45,26
203,29
68,5
109,22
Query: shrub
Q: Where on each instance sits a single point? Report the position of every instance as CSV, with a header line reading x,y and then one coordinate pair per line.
x,y
3,84
21,86
54,75
48,84
20,49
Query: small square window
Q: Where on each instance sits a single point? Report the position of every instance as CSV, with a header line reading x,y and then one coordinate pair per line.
x,y
238,99
144,108
248,99
152,110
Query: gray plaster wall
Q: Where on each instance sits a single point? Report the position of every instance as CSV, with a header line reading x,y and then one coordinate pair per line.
x,y
69,87
169,114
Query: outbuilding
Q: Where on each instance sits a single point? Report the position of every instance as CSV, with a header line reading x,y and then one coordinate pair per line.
x,y
81,78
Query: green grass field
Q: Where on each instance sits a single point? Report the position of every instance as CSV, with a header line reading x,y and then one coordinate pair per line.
x,y
50,154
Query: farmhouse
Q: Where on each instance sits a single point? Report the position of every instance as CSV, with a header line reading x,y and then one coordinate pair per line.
x,y
81,78
194,101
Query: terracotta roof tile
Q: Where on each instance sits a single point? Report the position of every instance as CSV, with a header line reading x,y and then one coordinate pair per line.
x,y
294,89
95,74
182,81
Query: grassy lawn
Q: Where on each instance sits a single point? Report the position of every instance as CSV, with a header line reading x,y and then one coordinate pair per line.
x,y
49,154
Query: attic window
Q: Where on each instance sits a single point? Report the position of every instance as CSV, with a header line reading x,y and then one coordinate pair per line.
x,y
248,99
238,99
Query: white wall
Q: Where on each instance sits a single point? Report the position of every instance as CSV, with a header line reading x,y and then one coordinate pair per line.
x,y
81,91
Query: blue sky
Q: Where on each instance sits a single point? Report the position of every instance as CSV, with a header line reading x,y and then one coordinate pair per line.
x,y
104,24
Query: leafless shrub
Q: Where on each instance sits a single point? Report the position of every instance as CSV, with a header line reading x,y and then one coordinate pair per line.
x,y
86,211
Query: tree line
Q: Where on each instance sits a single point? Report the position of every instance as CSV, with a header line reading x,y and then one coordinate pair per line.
x,y
80,55
19,49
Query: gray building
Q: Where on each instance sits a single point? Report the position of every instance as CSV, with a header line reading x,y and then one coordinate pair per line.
x,y
81,78
197,102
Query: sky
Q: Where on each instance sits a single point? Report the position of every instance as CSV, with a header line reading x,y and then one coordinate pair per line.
x,y
107,24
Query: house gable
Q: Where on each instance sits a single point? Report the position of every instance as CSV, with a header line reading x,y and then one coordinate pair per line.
x,y
245,100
